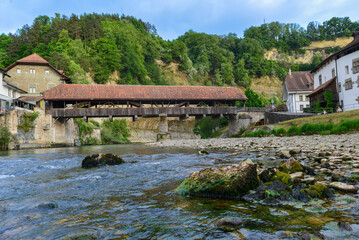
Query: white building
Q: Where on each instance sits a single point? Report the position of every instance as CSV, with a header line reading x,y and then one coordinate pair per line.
x,y
296,87
339,73
8,92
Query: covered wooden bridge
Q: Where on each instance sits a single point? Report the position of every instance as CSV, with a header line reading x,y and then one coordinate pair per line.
x,y
86,101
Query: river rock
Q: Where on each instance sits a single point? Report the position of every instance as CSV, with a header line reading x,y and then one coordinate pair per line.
x,y
232,181
47,205
266,175
344,226
291,166
228,222
343,187
98,160
284,154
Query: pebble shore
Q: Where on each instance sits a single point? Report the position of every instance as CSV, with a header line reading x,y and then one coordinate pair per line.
x,y
345,142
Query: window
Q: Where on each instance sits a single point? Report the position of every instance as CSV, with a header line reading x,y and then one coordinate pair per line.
x,y
346,69
307,98
339,87
301,107
358,82
356,65
320,80
32,70
32,88
348,84
307,106
300,98
47,71
333,72
18,70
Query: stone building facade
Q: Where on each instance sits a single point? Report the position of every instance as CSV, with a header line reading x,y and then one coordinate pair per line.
x,y
35,75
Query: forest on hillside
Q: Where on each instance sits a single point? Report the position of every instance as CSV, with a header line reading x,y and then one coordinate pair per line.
x,y
99,45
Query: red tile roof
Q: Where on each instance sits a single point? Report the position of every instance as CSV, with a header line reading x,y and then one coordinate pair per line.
x,y
322,87
142,93
33,58
299,81
37,60
31,98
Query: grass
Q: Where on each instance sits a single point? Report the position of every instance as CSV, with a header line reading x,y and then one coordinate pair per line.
x,y
336,123
334,118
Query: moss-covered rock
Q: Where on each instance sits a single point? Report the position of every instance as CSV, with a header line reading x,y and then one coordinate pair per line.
x,y
283,177
102,159
318,190
232,181
291,166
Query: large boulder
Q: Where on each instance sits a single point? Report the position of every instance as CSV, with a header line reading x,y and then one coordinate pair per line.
x,y
101,159
232,181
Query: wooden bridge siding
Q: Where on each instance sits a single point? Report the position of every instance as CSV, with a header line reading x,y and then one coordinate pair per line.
x,y
129,112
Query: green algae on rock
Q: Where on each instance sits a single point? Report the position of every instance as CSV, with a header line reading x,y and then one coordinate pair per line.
x,y
230,182
283,177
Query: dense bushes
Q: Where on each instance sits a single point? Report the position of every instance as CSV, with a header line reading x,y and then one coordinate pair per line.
x,y
310,129
208,127
114,132
111,132
5,136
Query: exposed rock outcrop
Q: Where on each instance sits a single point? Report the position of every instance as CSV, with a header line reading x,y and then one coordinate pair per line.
x,y
101,159
232,181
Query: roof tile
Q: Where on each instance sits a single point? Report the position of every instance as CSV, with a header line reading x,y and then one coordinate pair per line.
x,y
141,93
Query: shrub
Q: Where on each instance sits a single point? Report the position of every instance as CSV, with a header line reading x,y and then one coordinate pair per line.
x,y
280,132
294,130
207,126
27,121
5,136
114,132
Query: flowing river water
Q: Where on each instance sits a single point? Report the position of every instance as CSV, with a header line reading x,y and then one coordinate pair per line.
x,y
136,200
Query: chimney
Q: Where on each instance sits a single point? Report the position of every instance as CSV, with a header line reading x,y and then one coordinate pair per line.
x,y
356,35
323,55
290,72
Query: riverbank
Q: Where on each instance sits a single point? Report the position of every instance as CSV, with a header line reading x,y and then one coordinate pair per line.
x,y
343,142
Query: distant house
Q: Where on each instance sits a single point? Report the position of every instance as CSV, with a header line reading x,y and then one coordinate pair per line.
x,y
35,75
339,74
296,87
8,92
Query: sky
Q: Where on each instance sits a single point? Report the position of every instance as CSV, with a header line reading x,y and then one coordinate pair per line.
x,y
172,18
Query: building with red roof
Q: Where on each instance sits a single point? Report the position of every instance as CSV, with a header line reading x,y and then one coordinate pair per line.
x,y
296,87
35,75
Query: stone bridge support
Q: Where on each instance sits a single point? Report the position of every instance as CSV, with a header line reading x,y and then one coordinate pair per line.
x,y
163,128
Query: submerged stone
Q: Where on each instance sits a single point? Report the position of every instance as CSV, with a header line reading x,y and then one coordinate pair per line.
x,y
47,205
102,159
232,181
228,223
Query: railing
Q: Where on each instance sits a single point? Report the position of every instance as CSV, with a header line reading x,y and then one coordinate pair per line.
x,y
318,110
129,112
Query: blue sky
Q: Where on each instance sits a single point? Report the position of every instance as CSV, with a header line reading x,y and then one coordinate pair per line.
x,y
173,18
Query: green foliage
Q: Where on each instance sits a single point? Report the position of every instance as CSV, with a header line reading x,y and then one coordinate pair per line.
x,y
293,130
328,96
85,131
5,137
310,129
27,121
114,132
100,44
207,126
254,100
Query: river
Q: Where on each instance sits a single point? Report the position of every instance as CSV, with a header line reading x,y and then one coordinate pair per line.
x,y
136,200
